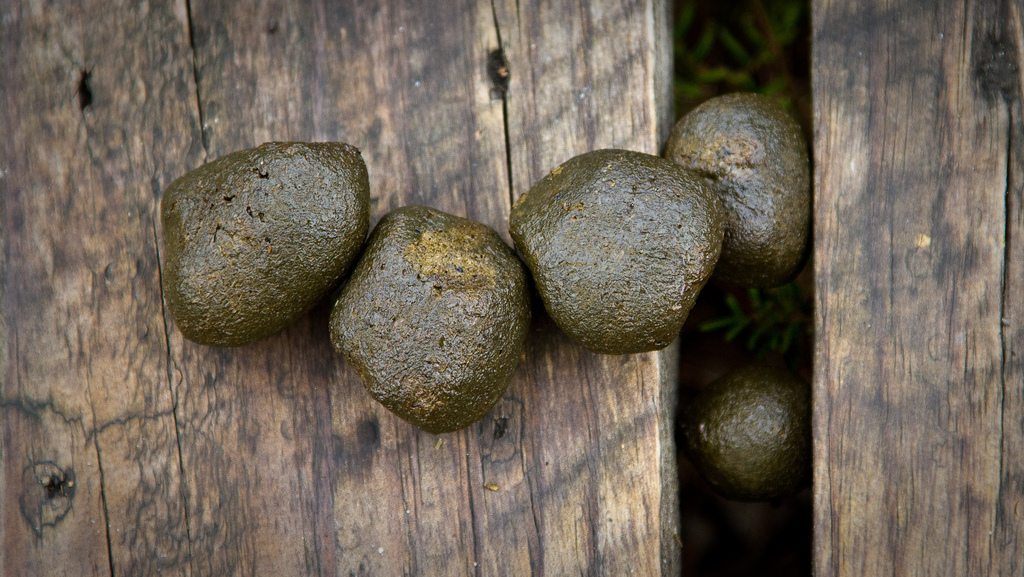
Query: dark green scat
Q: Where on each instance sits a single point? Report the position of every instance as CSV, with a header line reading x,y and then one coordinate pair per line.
x,y
619,243
433,317
256,238
757,156
749,434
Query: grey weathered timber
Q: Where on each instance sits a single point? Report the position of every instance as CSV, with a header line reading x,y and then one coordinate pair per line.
x,y
919,382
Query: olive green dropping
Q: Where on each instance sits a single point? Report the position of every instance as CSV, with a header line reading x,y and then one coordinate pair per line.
x,y
256,238
757,156
434,317
619,243
749,434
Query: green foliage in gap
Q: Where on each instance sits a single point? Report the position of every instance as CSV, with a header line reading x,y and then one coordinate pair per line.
x,y
746,45
737,45
773,320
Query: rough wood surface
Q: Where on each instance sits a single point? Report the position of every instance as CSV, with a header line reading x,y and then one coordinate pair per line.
x,y
125,449
919,385
89,461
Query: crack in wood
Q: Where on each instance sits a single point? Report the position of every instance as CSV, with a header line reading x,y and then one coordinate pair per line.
x,y
536,553
34,408
103,501
324,445
405,476
173,393
1006,490
195,77
96,446
500,73
473,525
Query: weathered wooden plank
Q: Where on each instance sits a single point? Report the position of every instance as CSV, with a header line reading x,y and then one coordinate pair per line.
x,y
999,64
375,494
584,77
1008,538
271,459
90,467
412,87
918,379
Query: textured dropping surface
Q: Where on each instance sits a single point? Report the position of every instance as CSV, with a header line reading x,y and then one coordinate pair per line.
x,y
433,317
255,238
757,156
619,243
749,434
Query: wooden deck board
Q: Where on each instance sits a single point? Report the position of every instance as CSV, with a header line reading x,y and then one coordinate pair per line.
x,y
271,459
85,396
918,377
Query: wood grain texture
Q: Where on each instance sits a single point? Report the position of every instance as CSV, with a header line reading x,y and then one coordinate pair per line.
x,y
89,457
918,406
272,459
585,77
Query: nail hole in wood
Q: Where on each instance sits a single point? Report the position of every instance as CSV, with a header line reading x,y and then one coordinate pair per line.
x,y
59,485
500,427
84,92
498,70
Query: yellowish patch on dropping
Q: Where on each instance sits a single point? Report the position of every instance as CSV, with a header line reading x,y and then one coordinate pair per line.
x,y
556,171
453,258
923,241
420,399
725,154
520,200
490,486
